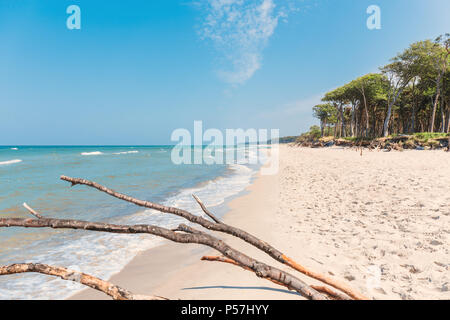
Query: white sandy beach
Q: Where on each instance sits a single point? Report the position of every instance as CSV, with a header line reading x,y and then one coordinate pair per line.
x,y
380,221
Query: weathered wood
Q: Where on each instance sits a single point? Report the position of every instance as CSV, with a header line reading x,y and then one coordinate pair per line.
x,y
222,227
190,235
330,293
34,213
205,210
333,294
116,292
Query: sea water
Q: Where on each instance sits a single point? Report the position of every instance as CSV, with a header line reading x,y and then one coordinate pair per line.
x,y
31,174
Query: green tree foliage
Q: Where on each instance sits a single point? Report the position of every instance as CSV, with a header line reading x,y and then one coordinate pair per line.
x,y
410,94
313,134
326,113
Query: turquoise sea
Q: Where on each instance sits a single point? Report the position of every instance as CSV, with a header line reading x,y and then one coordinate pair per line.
x,y
31,174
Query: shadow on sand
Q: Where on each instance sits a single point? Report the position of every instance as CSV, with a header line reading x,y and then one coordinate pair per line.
x,y
242,288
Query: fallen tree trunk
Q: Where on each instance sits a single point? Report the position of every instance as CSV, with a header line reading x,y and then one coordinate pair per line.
x,y
222,227
115,292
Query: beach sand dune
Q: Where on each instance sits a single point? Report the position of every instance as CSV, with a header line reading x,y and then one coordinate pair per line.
x,y
380,221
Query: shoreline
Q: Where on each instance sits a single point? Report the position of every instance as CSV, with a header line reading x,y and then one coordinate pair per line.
x,y
377,221
172,261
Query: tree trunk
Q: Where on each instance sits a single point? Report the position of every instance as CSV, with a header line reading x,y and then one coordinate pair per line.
x,y
367,114
389,113
438,88
443,114
342,121
433,113
447,130
352,121
386,120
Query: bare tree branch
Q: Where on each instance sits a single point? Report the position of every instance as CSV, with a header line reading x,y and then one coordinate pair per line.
x,y
262,270
322,289
116,292
205,210
222,227
335,295
34,213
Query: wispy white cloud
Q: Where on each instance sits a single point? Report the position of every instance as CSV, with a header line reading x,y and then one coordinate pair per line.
x,y
239,31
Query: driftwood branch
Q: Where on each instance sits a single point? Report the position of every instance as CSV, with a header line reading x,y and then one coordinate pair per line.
x,y
34,213
330,293
333,294
222,227
205,210
116,292
190,235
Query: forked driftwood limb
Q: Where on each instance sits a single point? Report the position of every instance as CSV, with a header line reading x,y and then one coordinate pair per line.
x,y
222,227
116,292
205,210
332,294
188,235
34,213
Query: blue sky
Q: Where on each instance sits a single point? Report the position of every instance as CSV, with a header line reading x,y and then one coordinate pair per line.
x,y
139,69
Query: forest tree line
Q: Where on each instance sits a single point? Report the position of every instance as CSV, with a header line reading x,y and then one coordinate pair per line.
x,y
410,94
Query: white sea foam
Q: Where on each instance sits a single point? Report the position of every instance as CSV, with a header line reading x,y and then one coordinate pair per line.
x,y
14,148
10,162
89,252
95,153
127,152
